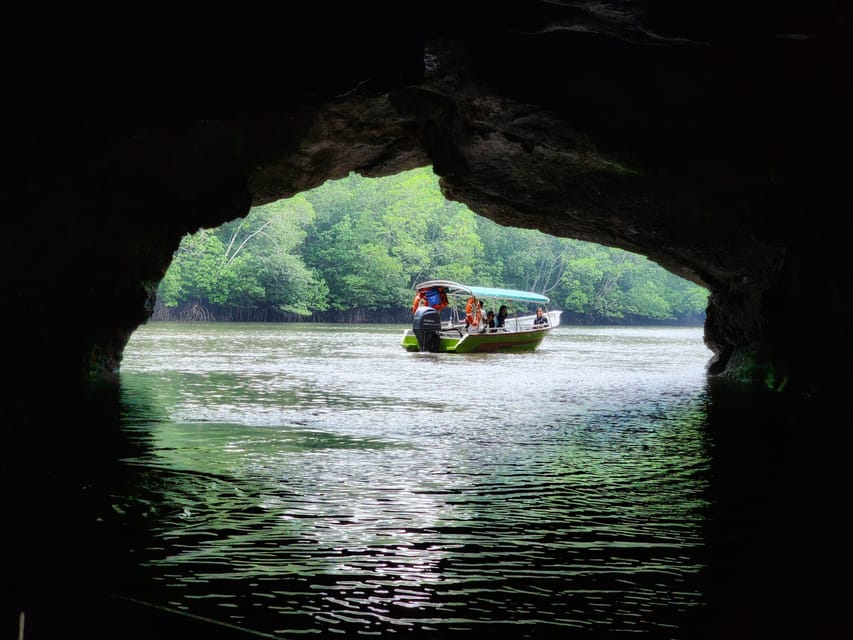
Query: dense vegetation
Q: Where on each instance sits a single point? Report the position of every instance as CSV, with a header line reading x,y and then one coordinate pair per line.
x,y
352,249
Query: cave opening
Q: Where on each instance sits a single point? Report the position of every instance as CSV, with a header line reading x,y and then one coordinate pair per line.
x,y
351,250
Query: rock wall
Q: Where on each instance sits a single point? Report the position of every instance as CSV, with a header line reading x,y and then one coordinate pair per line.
x,y
713,141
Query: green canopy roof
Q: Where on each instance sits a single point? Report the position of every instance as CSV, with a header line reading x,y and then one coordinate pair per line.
x,y
485,292
509,294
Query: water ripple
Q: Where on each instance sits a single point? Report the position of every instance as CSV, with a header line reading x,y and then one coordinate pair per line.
x,y
305,487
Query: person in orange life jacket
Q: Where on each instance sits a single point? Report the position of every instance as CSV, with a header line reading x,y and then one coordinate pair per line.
x,y
439,301
443,297
541,321
473,313
436,297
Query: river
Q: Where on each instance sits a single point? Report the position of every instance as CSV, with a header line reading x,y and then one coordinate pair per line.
x,y
304,480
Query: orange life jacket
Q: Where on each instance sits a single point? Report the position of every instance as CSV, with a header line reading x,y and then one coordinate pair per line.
x,y
442,294
436,297
472,312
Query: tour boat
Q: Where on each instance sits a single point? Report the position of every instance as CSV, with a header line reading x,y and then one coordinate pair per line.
x,y
447,318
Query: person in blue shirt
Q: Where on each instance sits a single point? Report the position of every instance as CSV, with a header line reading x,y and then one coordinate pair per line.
x,y
541,320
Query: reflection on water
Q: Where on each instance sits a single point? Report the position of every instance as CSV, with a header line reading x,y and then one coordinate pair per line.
x,y
318,478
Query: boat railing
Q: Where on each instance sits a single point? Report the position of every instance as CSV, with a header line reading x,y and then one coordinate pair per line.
x,y
457,323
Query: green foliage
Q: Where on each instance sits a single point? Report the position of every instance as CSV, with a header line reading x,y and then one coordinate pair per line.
x,y
358,243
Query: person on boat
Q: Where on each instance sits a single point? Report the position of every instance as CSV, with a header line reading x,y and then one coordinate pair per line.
x,y
500,319
541,320
436,297
473,314
442,295
489,324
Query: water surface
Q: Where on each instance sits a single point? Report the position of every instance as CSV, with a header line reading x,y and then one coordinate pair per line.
x,y
302,479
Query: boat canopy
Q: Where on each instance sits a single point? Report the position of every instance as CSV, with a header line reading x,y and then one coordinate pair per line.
x,y
454,288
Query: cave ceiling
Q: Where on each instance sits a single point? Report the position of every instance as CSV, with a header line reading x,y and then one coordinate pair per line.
x,y
710,140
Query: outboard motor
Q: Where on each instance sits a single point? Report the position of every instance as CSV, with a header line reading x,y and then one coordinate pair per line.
x,y
427,327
